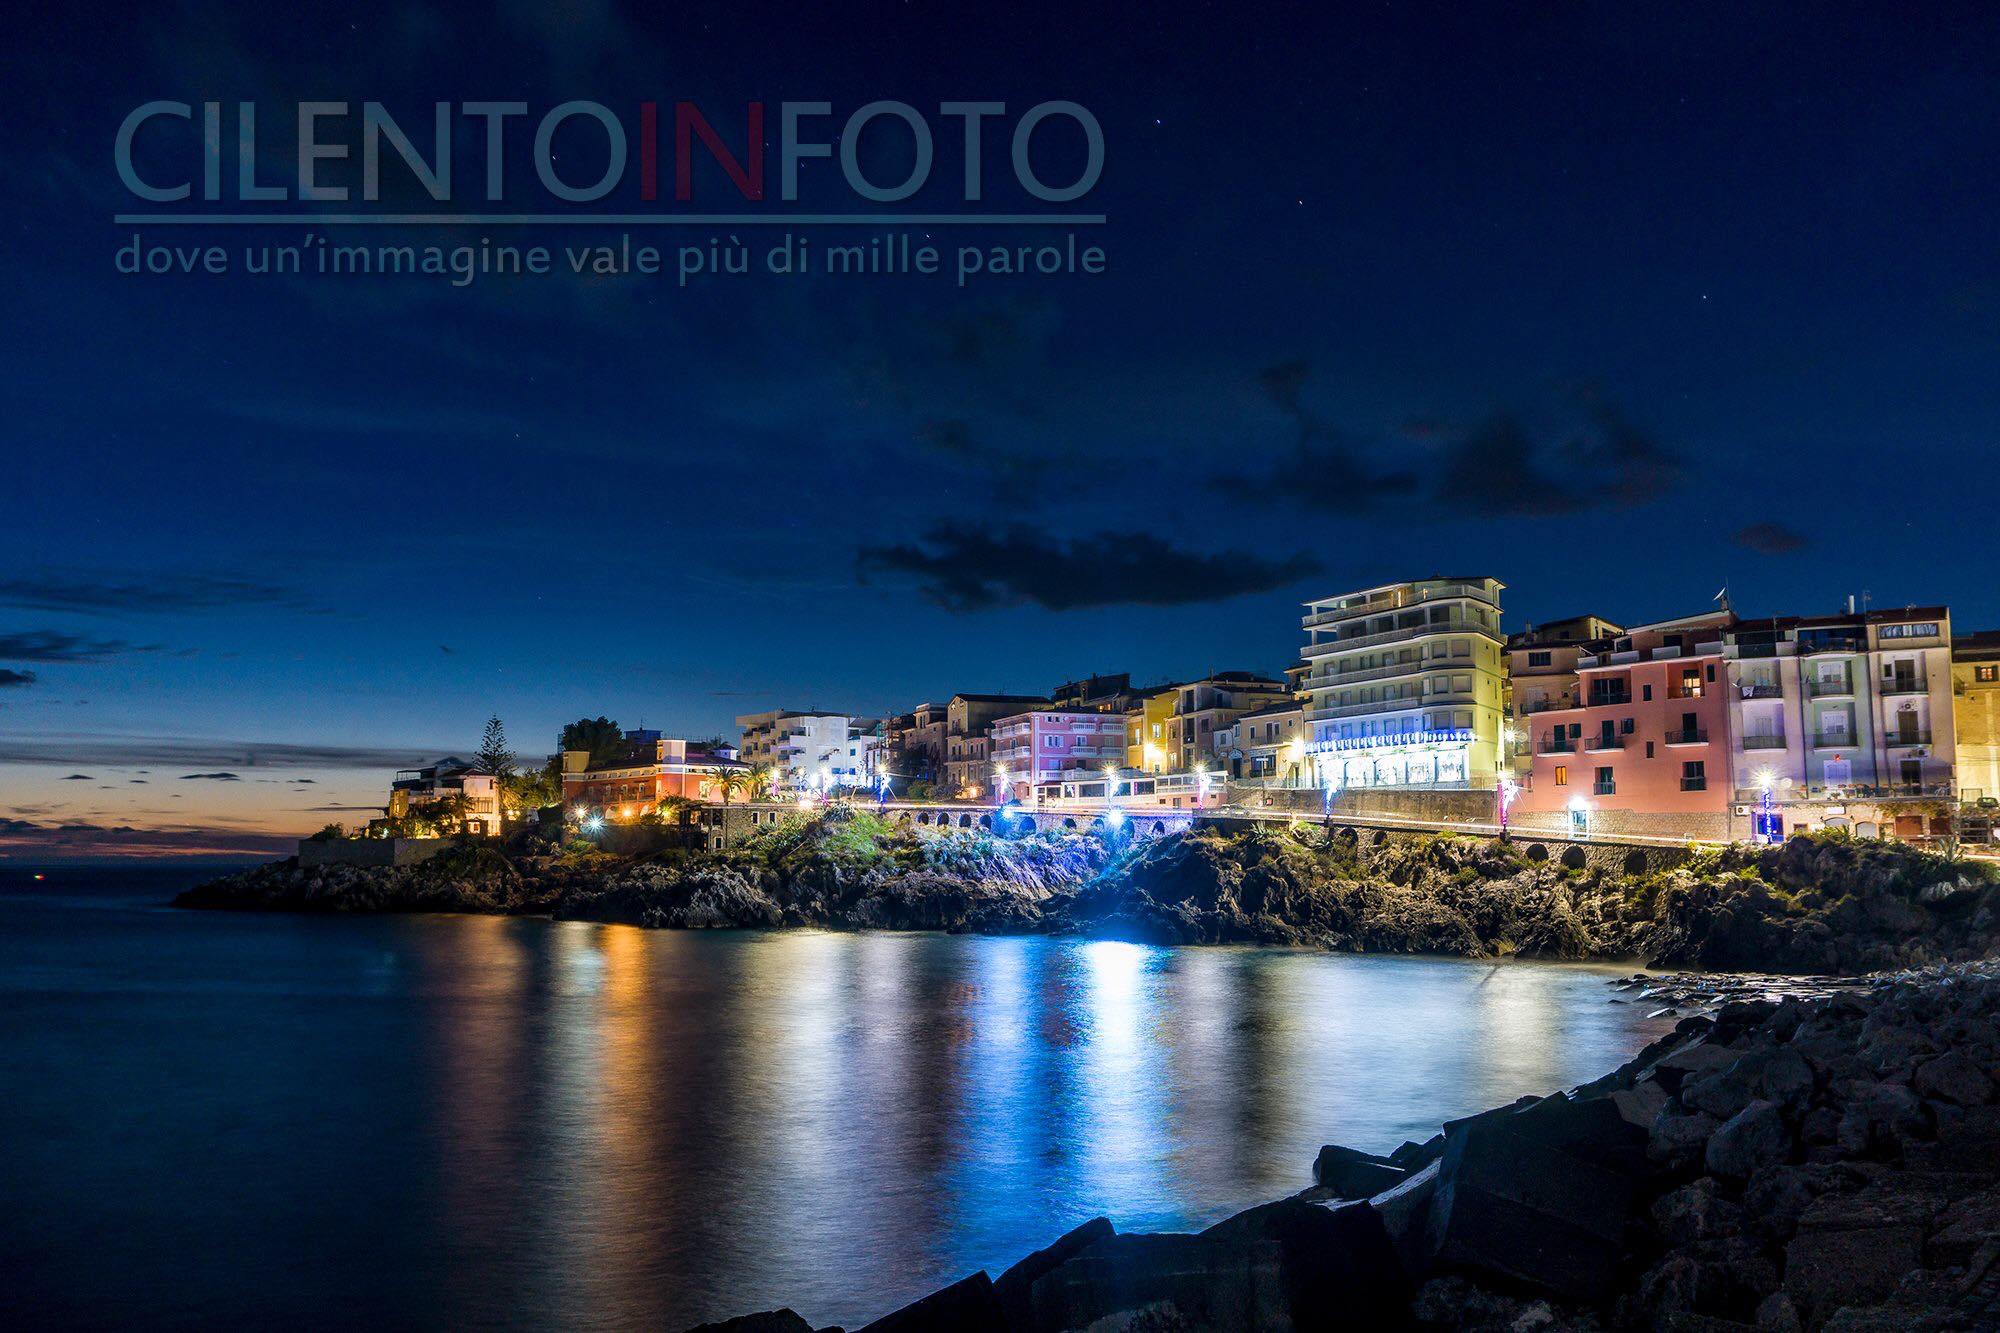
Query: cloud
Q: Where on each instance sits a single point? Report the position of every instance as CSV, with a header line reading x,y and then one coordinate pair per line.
x,y
1325,468
55,646
974,571
210,777
103,595
79,777
1770,539
10,679
84,838
1597,458
82,749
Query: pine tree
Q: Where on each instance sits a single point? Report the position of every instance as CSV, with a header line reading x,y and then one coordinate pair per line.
x,y
496,761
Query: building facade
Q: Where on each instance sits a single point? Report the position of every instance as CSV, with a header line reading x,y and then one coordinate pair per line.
x,y
810,752
650,769
1541,675
1146,722
447,780
1407,685
1643,746
968,770
1203,710
1270,746
1045,745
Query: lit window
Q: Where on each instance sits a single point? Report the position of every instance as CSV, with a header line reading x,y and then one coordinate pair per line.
x,y
1562,775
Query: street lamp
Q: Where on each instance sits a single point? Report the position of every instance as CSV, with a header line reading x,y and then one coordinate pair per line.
x,y
1509,789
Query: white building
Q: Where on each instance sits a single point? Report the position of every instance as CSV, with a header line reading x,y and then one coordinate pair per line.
x,y
811,752
1407,685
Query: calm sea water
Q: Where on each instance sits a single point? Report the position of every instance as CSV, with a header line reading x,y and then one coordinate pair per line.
x,y
217,1119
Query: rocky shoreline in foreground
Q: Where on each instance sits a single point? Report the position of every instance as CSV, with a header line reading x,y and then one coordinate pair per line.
x,y
1828,1163
1822,905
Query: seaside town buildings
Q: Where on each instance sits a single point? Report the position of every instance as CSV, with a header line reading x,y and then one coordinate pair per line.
x,y
1407,685
1706,726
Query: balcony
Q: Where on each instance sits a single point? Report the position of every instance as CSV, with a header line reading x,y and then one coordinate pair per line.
x,y
1400,635
1533,706
1599,744
1906,737
1603,789
1834,740
1905,686
1820,688
1555,745
1694,784
1688,736
1763,742
1760,689
1833,643
1610,698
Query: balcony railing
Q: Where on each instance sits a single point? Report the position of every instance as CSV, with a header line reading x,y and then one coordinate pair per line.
x,y
1833,644
1603,789
1694,784
1392,636
1763,742
1905,737
1555,745
1834,740
1595,744
1905,687
1688,736
1610,699
1758,689
1818,687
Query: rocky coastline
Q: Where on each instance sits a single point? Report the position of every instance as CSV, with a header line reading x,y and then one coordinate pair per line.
x,y
1816,905
1823,1163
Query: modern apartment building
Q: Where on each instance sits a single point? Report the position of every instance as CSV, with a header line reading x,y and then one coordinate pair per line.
x,y
1030,748
810,751
968,765
1642,743
1202,709
1407,685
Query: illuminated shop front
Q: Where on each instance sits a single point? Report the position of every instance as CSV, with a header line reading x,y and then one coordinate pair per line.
x,y
1404,759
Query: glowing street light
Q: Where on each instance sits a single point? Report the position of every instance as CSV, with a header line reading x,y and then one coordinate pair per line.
x,y
1509,789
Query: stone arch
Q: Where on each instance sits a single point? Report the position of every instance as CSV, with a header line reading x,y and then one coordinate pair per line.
x,y
1537,852
1159,826
1069,823
1097,822
1380,837
1348,836
1635,862
923,816
1027,823
1574,858
986,821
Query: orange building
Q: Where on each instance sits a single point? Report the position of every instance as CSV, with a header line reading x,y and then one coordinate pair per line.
x,y
1644,745
649,769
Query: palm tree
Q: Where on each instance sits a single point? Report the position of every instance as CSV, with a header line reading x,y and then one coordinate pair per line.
x,y
730,781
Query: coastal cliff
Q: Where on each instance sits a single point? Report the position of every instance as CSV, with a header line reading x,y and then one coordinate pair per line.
x,y
1814,905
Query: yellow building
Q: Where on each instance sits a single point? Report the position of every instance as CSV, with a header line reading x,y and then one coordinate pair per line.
x,y
1146,746
1975,706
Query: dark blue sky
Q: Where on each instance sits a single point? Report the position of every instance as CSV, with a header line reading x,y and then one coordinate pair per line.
x,y
1617,308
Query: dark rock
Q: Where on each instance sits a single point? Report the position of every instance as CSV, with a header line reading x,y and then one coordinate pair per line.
x,y
1335,1256
966,1306
767,1321
1013,1288
1953,1078
1846,1254
1353,1174
1539,1198
1678,1138
1754,1137
1182,1281
1404,1212
1696,1211
1412,1156
1721,1094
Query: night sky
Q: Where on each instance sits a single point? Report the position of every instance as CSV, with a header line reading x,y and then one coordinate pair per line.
x,y
1619,308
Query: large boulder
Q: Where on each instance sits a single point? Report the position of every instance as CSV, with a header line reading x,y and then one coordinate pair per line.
x,y
966,1306
1540,1197
1353,1174
1285,1265
1014,1288
764,1321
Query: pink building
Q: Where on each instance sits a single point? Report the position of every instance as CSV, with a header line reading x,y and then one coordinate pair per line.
x,y
1043,745
1644,746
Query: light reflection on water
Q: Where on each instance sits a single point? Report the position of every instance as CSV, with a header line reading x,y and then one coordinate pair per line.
x,y
448,1121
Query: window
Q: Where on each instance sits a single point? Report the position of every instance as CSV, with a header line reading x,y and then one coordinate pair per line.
x,y
1649,749
1986,673
1694,775
1646,693
1625,727
1562,775
1606,784
1540,659
1927,630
